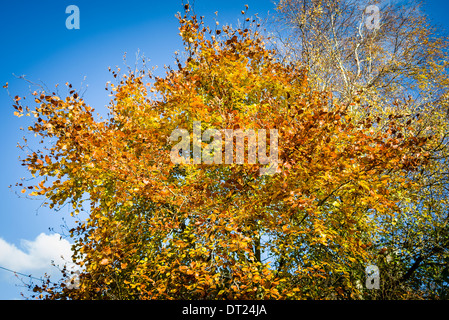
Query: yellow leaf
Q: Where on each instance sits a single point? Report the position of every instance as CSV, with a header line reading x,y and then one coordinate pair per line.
x,y
364,184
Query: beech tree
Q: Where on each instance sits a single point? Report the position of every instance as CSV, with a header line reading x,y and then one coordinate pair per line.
x,y
163,230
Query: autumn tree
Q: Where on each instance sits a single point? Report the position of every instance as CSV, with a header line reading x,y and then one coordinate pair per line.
x,y
396,70
195,230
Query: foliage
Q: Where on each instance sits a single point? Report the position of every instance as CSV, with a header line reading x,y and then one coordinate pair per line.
x,y
398,70
160,230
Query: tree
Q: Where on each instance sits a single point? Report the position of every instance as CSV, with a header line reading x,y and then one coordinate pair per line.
x,y
398,70
164,230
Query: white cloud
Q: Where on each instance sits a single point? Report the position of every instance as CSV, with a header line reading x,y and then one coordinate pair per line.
x,y
35,257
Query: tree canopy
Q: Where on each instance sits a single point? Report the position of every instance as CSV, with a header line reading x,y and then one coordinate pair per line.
x,y
346,191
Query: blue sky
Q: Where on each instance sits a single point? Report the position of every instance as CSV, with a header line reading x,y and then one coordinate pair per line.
x,y
35,42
